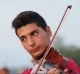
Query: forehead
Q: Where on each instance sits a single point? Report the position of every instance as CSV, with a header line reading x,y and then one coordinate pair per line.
x,y
27,29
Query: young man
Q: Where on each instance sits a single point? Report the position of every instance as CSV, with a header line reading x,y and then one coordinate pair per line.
x,y
34,35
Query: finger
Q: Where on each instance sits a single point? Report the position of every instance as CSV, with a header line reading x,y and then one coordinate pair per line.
x,y
66,71
57,72
51,71
54,71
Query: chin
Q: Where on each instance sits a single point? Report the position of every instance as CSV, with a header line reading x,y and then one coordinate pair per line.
x,y
38,57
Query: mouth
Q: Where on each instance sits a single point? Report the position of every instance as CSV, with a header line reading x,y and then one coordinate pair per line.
x,y
35,50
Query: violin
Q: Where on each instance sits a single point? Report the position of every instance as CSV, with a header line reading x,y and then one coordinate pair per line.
x,y
53,58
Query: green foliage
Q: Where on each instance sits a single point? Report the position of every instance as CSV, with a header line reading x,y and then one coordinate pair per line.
x,y
74,54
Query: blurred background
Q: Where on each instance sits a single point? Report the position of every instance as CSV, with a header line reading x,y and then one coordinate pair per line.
x,y
12,54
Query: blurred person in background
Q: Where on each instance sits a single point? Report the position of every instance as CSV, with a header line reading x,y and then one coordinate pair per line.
x,y
4,71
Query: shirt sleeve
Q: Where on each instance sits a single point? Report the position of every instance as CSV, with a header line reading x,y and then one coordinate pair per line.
x,y
72,66
27,71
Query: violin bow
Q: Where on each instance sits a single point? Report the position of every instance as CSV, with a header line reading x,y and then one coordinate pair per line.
x,y
46,52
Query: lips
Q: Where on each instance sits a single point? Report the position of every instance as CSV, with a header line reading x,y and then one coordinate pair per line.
x,y
35,49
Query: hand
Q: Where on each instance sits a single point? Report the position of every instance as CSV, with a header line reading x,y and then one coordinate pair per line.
x,y
56,71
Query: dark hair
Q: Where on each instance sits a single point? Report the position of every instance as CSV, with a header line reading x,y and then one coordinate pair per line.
x,y
27,17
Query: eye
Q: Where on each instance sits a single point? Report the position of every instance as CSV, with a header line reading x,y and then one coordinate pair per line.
x,y
34,33
23,39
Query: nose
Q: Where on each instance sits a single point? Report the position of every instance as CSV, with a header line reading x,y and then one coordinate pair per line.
x,y
31,41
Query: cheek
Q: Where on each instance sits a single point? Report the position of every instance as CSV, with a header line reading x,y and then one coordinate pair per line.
x,y
43,40
25,46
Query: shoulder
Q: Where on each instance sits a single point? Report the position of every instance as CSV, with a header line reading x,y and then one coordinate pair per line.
x,y
27,71
71,64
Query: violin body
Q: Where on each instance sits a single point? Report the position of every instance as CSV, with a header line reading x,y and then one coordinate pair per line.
x,y
56,59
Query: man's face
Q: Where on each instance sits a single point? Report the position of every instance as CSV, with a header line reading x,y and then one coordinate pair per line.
x,y
34,39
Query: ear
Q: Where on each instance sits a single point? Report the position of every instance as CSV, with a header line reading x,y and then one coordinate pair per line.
x,y
48,31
